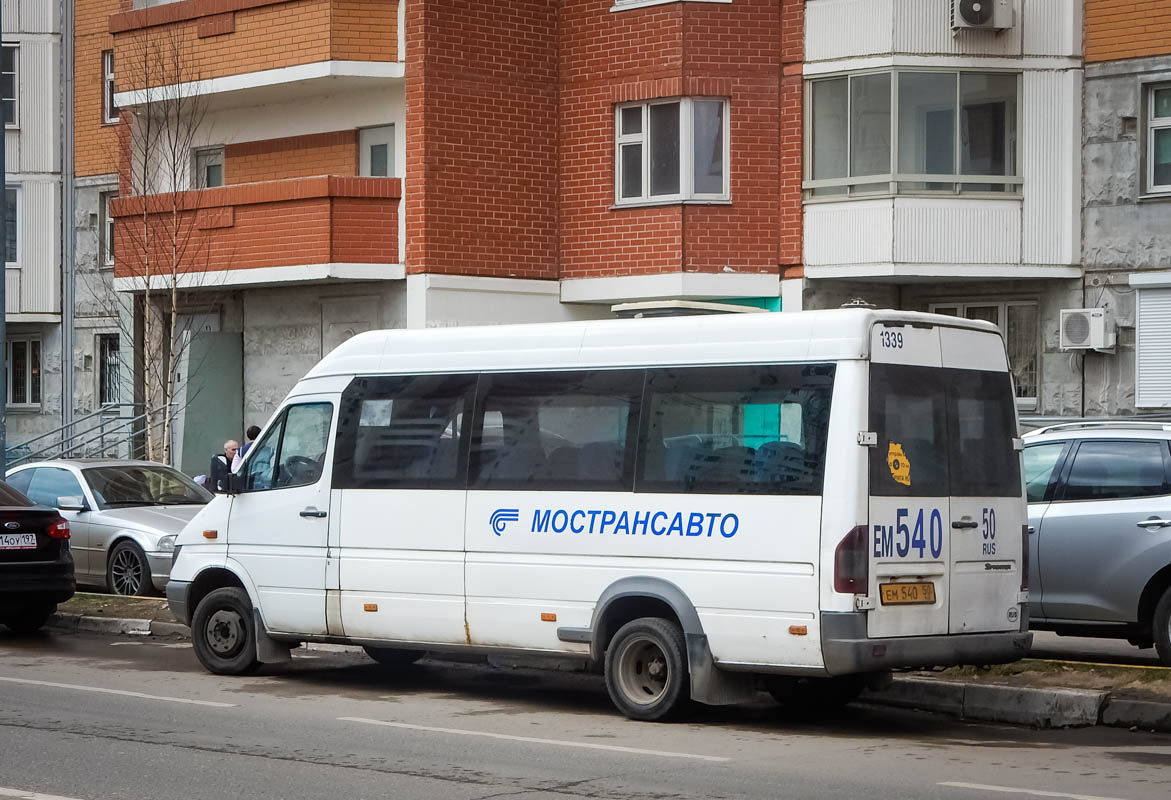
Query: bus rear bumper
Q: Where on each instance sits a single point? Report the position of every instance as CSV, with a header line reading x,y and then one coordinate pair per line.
x,y
848,650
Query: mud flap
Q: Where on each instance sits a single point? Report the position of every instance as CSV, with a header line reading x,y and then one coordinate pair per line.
x,y
711,685
269,650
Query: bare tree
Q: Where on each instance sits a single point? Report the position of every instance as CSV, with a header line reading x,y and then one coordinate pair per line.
x,y
161,247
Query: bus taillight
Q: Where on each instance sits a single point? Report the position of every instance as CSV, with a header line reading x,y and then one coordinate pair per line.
x,y
852,563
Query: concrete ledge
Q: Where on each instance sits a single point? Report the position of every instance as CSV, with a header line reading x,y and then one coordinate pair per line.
x,y
1041,708
1146,714
929,694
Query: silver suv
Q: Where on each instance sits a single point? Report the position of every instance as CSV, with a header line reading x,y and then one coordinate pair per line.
x,y
1100,531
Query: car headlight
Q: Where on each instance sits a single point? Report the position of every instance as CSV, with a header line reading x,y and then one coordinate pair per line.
x,y
166,544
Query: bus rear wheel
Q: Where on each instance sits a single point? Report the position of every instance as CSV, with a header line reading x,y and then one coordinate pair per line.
x,y
646,669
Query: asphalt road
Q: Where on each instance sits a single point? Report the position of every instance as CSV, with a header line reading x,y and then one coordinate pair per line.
x,y
108,718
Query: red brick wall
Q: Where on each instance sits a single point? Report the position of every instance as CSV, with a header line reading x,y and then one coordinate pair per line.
x,y
333,153
95,143
734,51
481,91
1117,29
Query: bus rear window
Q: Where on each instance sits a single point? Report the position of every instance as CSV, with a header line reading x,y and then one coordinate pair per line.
x,y
942,432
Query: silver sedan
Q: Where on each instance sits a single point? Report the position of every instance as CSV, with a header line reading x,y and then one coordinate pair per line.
x,y
123,516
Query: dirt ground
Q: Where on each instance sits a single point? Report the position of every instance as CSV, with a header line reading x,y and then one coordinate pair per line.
x,y
108,605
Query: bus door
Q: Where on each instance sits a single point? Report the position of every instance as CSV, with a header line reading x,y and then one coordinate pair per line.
x,y
910,507
988,511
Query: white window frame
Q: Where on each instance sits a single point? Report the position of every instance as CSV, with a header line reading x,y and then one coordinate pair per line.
x,y
28,339
1013,184
1002,306
15,48
106,231
15,223
110,114
203,158
368,137
1154,124
686,164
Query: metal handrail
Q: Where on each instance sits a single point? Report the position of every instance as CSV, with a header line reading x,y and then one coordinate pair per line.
x,y
106,409
107,427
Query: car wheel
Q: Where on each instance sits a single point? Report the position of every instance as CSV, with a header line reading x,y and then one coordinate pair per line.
x,y
808,696
128,571
646,669
32,619
390,657
223,632
1161,628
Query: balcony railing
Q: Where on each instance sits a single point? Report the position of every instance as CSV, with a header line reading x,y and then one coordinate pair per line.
x,y
200,43
301,229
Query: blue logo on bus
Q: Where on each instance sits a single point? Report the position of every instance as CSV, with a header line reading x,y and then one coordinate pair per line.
x,y
501,517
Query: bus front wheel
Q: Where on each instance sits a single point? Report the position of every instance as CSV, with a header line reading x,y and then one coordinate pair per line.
x,y
222,632
646,669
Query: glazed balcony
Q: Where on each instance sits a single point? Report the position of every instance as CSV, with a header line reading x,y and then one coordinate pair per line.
x,y
302,230
250,52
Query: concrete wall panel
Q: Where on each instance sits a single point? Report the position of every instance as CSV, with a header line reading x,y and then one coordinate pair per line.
x,y
924,26
958,232
857,232
848,28
1050,155
1052,27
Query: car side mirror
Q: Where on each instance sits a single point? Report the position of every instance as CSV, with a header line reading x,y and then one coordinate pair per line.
x,y
73,502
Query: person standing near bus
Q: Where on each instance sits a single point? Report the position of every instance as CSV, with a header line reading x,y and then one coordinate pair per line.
x,y
221,466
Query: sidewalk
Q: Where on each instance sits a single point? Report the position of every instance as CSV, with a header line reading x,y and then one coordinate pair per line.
x,y
1041,694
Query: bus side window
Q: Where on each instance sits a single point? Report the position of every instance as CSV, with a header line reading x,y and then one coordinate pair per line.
x,y
732,430
402,432
556,430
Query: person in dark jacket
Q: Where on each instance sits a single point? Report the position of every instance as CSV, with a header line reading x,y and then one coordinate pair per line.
x,y
221,467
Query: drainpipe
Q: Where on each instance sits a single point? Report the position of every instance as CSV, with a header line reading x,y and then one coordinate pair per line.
x,y
67,224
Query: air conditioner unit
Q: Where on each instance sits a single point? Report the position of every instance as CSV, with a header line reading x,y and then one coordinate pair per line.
x,y
1087,329
992,15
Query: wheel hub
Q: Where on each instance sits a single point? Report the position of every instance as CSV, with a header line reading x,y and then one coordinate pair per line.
x,y
224,631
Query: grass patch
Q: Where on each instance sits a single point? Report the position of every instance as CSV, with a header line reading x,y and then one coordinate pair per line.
x,y
109,605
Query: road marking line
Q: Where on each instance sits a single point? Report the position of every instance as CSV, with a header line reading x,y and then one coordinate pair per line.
x,y
23,795
1014,790
534,740
100,690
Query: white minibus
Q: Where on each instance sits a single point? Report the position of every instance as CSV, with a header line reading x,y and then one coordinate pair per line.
x,y
705,507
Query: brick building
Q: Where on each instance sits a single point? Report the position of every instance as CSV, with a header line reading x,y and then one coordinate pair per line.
x,y
359,163
322,167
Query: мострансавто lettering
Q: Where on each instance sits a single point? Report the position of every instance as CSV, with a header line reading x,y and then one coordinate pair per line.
x,y
637,523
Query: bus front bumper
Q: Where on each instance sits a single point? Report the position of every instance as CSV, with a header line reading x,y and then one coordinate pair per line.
x,y
848,650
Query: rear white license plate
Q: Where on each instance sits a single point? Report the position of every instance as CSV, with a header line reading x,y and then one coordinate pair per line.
x,y
18,541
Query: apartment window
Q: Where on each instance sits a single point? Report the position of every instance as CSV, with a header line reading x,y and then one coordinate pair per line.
x,y
108,371
24,372
912,131
9,87
1020,324
377,152
1159,139
106,234
671,150
109,109
12,229
209,167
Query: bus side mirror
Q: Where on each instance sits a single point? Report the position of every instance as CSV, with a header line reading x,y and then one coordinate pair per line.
x,y
235,483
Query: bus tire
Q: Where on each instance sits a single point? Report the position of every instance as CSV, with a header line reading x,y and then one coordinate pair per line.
x,y
646,669
392,657
1161,628
223,634
814,695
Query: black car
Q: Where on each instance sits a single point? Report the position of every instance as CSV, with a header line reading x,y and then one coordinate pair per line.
x,y
36,567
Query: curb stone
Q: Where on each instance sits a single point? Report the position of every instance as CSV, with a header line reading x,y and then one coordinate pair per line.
x,y
1039,708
